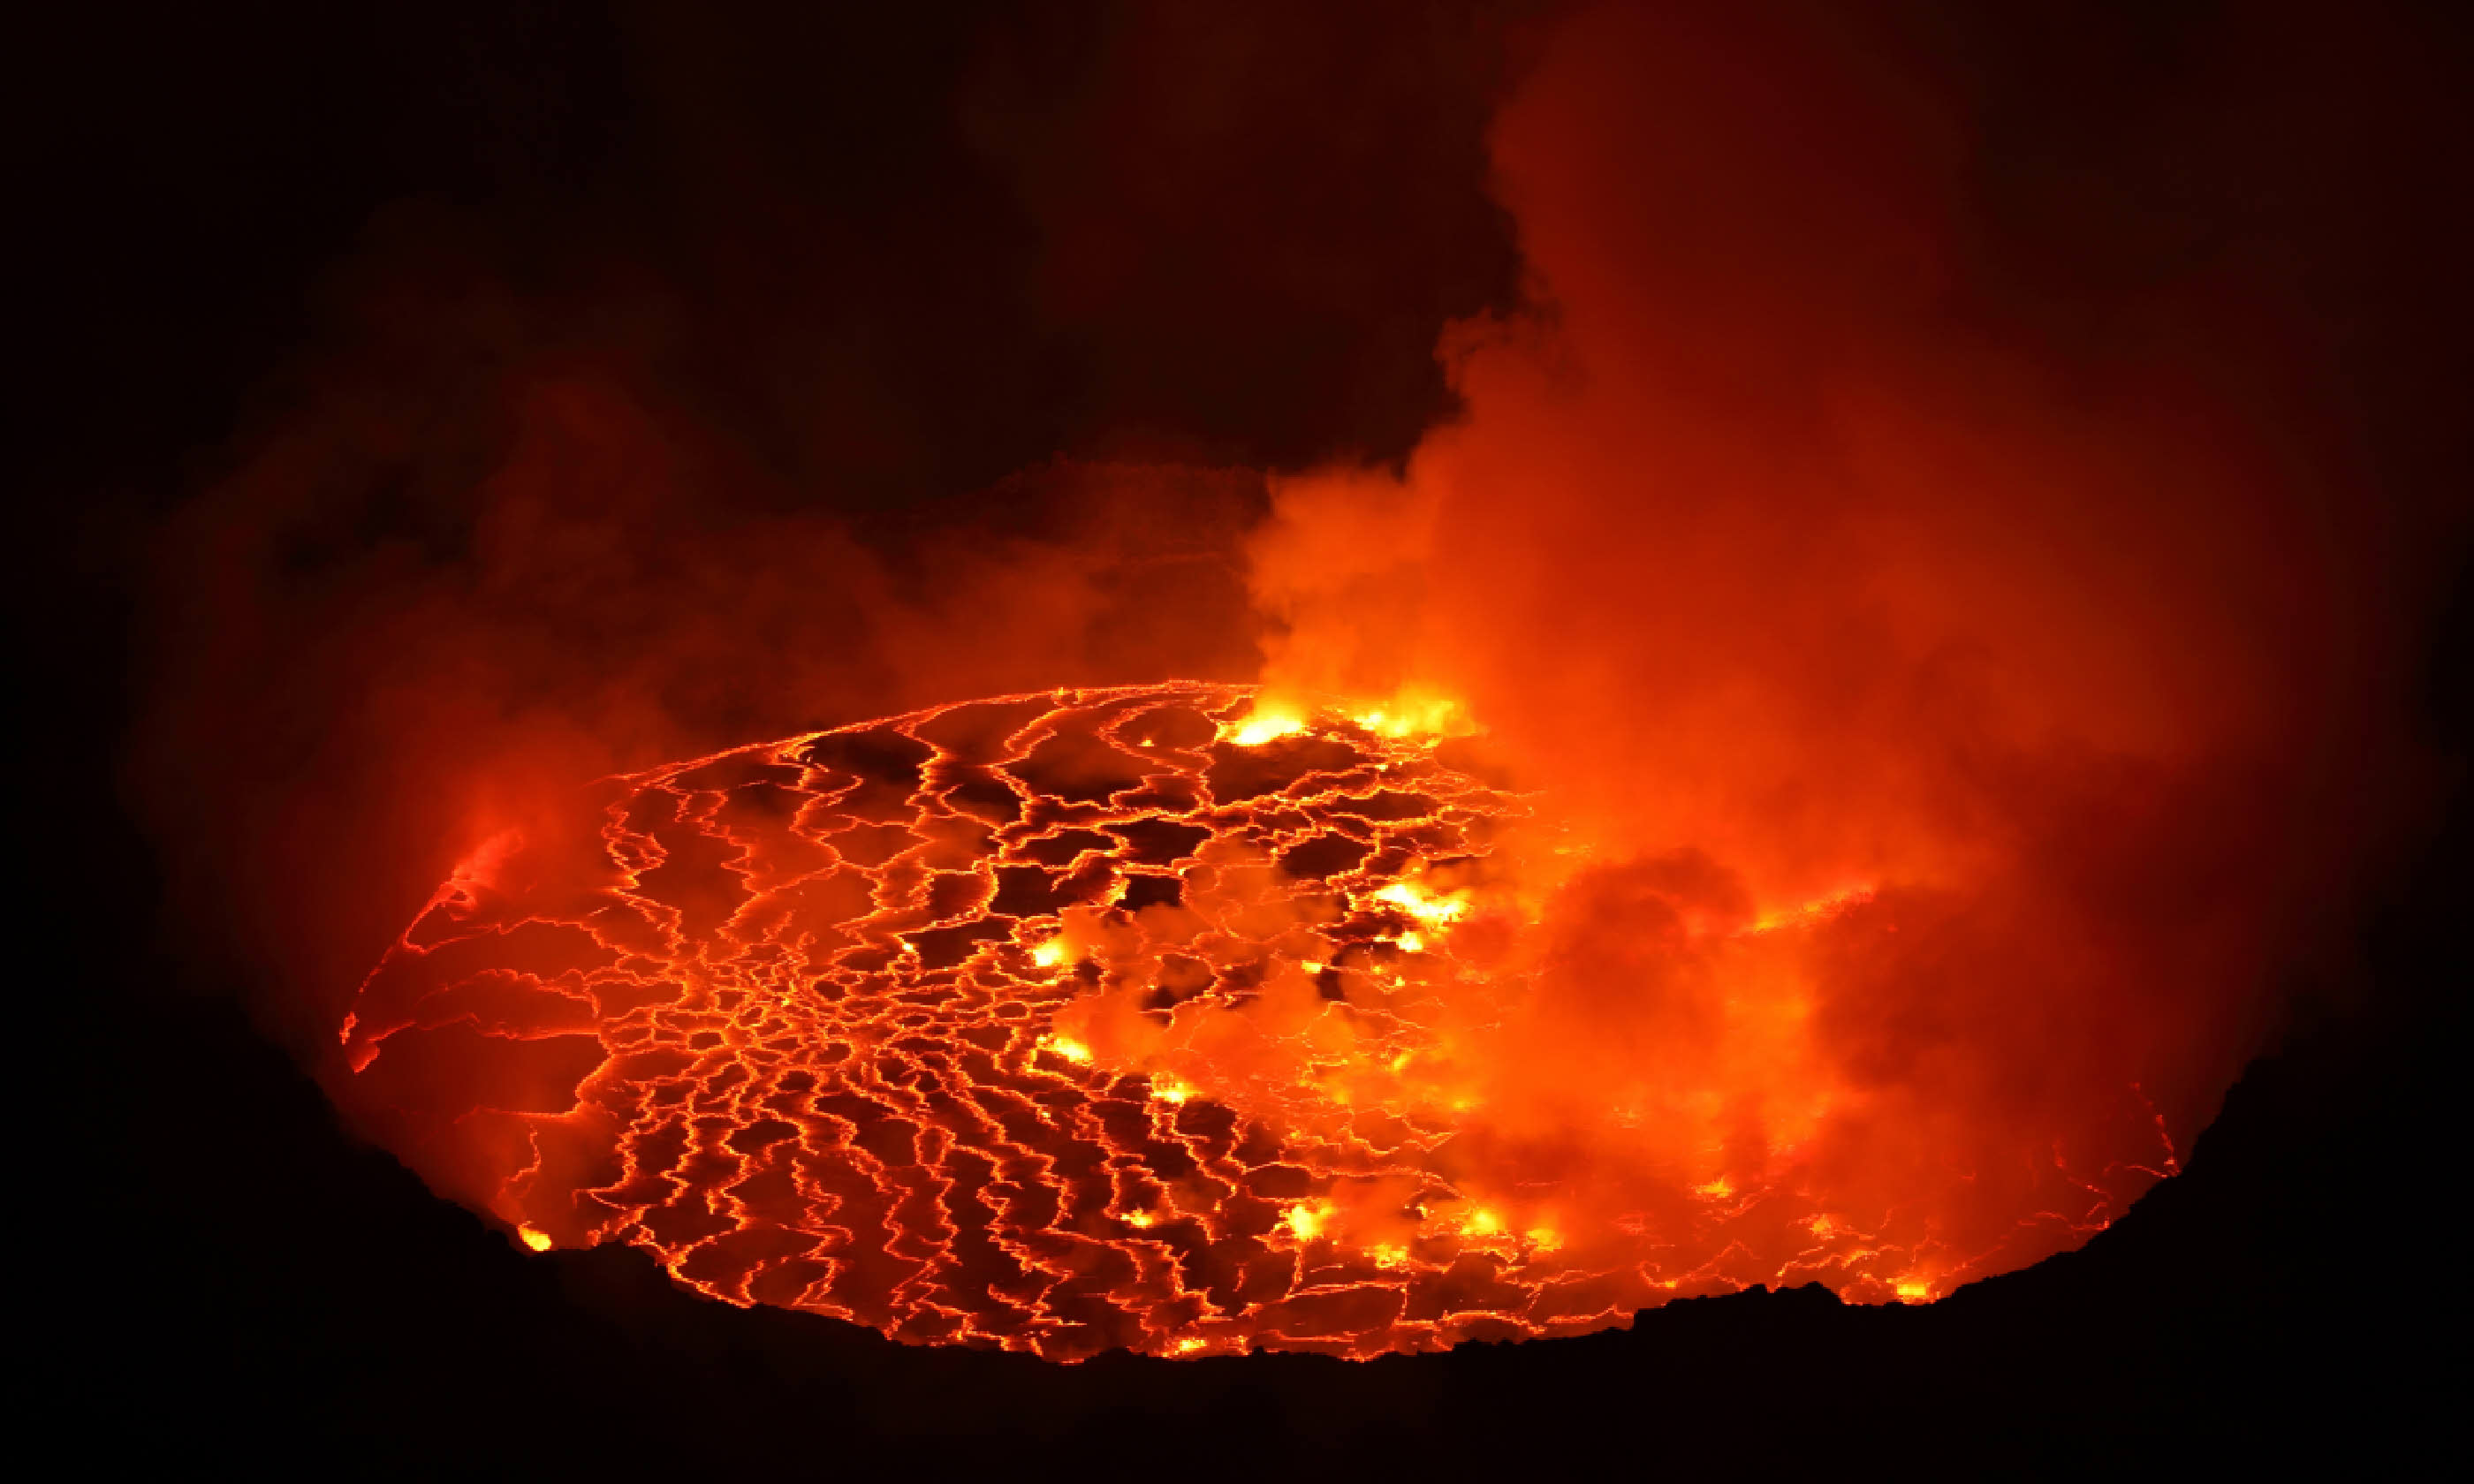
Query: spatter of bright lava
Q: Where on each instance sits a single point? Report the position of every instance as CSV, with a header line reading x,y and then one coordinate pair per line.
x,y
1056,1022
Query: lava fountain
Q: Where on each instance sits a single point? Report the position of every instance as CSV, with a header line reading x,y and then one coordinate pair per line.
x,y
1178,1019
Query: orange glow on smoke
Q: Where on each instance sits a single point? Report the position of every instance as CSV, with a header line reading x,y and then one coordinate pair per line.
x,y
796,1022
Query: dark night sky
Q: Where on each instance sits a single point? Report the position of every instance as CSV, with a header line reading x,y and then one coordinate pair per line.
x,y
886,258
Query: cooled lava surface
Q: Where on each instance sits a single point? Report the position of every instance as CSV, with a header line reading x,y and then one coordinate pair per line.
x,y
1151,1018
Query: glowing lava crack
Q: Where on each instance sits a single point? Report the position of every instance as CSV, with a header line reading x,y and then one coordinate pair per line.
x,y
1128,1017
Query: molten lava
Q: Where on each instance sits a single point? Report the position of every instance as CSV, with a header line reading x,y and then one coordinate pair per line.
x,y
1171,1019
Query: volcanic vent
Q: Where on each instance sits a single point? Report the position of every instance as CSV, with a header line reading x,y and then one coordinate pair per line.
x,y
1155,1017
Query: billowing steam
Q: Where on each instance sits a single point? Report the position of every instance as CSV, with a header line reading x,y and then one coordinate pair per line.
x,y
1799,576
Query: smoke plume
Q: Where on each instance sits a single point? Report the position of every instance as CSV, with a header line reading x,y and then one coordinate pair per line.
x,y
1813,573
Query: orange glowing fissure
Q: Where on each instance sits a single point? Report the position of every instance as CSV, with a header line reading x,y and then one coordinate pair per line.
x,y
1156,1018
